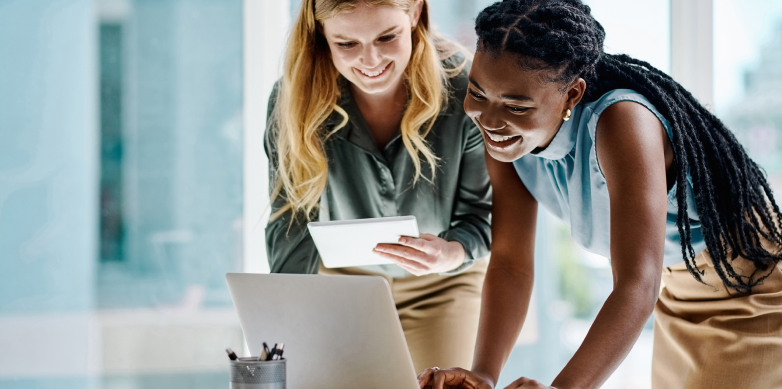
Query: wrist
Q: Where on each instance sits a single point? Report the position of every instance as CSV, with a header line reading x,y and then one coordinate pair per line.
x,y
456,255
488,377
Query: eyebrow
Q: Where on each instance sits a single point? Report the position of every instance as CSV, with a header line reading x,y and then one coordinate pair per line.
x,y
506,97
381,34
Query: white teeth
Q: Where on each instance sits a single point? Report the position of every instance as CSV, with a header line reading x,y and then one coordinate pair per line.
x,y
498,138
375,74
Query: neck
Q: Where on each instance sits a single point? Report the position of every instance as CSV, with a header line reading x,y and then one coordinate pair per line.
x,y
391,100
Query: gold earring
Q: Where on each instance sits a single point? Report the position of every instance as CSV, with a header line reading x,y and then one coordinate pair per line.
x,y
567,116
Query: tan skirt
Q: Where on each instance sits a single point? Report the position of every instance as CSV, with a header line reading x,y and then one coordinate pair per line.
x,y
712,337
439,314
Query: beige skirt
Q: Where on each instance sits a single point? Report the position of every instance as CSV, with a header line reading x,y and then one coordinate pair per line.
x,y
713,337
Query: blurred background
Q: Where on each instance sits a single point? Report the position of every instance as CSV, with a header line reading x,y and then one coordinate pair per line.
x,y
132,176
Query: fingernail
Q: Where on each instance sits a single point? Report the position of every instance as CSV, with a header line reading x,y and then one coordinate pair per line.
x,y
402,240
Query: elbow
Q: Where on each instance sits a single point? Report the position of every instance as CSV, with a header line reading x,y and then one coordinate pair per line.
x,y
643,293
648,292
648,306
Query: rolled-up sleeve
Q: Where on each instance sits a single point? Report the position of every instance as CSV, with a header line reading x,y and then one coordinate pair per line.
x,y
471,217
289,246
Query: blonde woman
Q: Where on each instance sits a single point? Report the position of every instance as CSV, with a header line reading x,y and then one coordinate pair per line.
x,y
367,121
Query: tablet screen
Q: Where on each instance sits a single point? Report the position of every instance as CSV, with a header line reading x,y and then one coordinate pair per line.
x,y
347,243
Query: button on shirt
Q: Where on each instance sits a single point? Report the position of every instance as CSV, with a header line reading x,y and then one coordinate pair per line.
x,y
366,182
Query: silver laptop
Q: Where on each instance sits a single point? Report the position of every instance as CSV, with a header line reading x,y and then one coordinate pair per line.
x,y
339,331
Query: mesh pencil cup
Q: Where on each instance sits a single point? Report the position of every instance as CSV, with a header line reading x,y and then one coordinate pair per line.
x,y
250,373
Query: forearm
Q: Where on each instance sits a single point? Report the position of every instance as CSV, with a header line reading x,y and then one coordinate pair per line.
x,y
505,300
474,233
290,248
470,222
611,337
473,239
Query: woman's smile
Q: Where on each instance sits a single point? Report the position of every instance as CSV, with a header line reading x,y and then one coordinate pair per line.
x,y
374,74
501,142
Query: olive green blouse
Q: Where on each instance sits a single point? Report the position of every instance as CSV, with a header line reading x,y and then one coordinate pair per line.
x,y
365,182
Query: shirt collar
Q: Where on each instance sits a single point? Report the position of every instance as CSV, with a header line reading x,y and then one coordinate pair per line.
x,y
356,130
564,140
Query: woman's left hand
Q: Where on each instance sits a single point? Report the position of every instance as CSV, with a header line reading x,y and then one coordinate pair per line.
x,y
424,255
526,383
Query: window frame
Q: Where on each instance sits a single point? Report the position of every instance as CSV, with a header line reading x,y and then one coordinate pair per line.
x,y
263,49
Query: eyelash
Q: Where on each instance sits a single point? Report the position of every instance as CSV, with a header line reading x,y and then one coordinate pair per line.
x,y
474,94
383,39
478,97
517,109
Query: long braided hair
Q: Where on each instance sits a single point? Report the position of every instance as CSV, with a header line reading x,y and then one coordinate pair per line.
x,y
734,200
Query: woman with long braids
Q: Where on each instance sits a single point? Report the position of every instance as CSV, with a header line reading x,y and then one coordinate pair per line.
x,y
367,121
644,175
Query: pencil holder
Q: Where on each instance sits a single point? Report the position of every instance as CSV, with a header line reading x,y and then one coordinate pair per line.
x,y
250,373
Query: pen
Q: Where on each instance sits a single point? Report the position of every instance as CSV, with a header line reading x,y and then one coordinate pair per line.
x,y
274,352
264,353
280,350
231,354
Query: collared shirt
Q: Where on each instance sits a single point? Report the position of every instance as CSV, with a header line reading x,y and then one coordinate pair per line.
x,y
366,182
566,179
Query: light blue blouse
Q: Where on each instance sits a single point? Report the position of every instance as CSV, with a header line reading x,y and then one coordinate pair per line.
x,y
565,178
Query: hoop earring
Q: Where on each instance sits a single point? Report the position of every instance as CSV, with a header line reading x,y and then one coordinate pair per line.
x,y
567,116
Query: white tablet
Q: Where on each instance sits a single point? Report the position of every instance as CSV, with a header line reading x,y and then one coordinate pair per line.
x,y
346,243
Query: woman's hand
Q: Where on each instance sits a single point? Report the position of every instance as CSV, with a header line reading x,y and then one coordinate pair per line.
x,y
455,378
424,255
526,383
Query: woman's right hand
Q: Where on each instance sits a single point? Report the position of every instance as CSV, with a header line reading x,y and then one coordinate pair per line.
x,y
454,378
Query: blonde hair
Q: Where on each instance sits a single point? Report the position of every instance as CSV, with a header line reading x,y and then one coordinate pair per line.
x,y
310,90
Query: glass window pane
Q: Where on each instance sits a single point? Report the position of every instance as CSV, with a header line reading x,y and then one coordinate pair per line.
x,y
640,29
171,152
121,158
748,77
456,20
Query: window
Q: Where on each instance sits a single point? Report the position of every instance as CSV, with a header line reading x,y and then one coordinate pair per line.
x,y
121,192
171,152
124,181
748,77
111,91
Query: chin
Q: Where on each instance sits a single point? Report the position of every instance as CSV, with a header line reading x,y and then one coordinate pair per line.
x,y
504,156
379,87
505,152
373,89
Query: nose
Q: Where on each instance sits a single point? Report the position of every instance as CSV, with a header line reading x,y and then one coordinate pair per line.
x,y
370,57
490,122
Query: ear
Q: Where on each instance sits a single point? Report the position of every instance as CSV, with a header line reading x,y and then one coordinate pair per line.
x,y
417,9
575,93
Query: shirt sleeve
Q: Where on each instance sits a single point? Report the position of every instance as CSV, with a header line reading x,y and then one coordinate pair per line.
x,y
289,246
471,217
